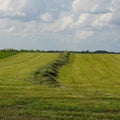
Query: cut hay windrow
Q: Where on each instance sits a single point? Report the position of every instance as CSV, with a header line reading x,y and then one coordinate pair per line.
x,y
47,75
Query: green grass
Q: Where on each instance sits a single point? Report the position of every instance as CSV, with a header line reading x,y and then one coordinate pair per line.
x,y
47,75
94,80
90,88
4,54
15,69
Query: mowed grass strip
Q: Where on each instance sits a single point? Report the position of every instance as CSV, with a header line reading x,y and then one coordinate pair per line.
x,y
14,69
90,91
96,78
93,70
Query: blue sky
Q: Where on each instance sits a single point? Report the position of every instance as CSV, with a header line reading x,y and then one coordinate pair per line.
x,y
60,24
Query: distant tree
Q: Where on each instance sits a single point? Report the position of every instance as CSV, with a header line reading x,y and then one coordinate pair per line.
x,y
87,51
101,51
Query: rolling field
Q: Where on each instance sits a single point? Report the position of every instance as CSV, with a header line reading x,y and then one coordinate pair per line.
x,y
94,82
90,88
6,53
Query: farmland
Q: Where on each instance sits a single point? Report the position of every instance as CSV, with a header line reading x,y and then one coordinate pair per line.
x,y
6,53
90,88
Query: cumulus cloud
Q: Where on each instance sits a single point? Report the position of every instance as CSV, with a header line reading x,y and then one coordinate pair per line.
x,y
61,24
115,8
90,6
66,21
10,26
84,21
79,18
47,17
12,7
10,29
81,35
84,14
102,20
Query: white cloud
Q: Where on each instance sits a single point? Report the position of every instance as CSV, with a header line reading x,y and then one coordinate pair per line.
x,y
9,26
102,20
81,19
10,29
80,35
12,7
91,6
47,17
61,24
115,8
84,20
66,21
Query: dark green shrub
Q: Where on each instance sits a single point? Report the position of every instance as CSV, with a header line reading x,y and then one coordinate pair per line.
x,y
7,52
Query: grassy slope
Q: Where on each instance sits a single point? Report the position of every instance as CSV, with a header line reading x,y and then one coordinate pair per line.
x,y
14,69
94,80
14,88
90,89
4,54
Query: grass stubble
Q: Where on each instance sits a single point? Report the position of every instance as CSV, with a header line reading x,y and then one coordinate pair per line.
x,y
90,88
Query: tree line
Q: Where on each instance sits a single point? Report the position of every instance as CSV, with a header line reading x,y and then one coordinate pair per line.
x,y
59,51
